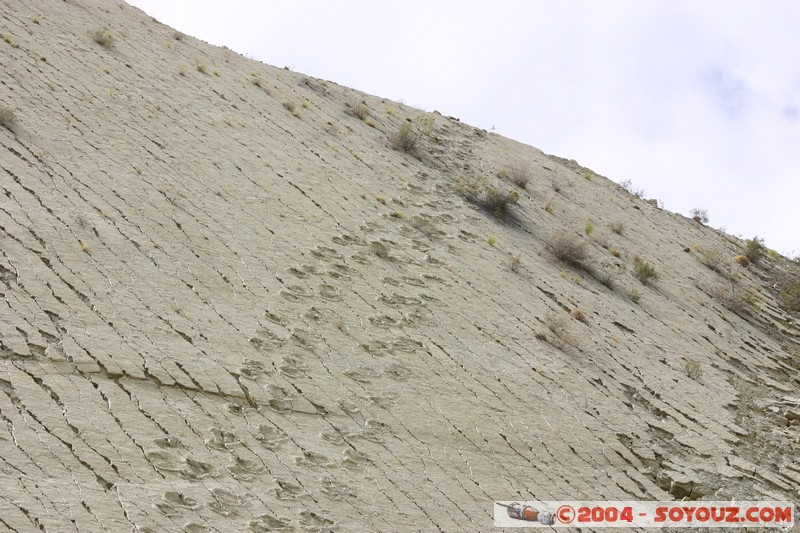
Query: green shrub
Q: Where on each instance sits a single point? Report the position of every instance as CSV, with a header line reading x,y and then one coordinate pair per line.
x,y
754,249
589,228
498,203
644,271
405,138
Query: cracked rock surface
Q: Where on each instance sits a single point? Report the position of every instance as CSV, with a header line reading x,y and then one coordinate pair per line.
x,y
230,305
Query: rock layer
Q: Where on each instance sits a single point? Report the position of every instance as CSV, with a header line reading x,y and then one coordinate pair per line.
x,y
231,305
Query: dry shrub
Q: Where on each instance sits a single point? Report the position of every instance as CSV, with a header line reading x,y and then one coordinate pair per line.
x,y
558,335
606,274
104,38
358,109
579,315
714,259
518,173
628,186
735,296
568,248
699,215
741,260
618,227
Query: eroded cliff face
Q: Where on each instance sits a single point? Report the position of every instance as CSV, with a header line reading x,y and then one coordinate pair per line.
x,y
229,304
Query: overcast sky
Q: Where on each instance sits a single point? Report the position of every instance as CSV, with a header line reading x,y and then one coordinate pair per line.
x,y
696,102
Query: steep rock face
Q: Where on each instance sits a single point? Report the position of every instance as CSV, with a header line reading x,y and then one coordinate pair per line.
x,y
228,303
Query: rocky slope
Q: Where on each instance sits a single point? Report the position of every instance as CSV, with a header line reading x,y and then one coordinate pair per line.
x,y
229,304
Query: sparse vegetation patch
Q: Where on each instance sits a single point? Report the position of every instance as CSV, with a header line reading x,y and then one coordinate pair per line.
x,y
380,249
788,287
606,274
692,368
557,335
568,248
754,249
104,38
628,186
579,315
741,260
713,259
644,271
487,197
405,138
699,215
517,173
735,296
358,109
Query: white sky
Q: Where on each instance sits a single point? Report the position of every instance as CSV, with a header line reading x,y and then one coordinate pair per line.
x,y
696,102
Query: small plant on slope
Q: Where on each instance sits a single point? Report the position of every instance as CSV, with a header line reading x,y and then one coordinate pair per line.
x,y
644,271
